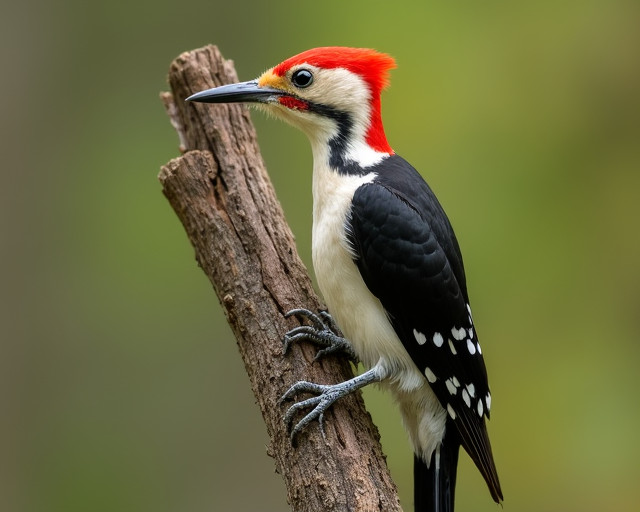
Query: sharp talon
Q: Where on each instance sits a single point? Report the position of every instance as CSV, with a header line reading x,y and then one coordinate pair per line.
x,y
309,315
319,355
318,405
301,333
303,330
321,423
326,396
291,412
323,332
289,394
329,320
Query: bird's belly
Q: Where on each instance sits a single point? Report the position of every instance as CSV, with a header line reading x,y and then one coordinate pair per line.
x,y
358,313
361,317
363,321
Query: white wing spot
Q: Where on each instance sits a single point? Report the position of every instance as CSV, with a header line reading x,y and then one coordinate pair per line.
x,y
451,412
456,382
466,398
450,386
420,338
438,340
488,400
458,334
479,350
431,377
471,346
453,349
471,389
470,332
480,408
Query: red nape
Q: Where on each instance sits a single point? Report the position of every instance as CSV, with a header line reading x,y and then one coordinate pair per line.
x,y
376,138
373,67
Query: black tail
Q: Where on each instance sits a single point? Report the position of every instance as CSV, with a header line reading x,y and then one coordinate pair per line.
x,y
434,486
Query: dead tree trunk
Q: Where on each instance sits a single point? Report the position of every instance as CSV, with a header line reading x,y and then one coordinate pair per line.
x,y
221,192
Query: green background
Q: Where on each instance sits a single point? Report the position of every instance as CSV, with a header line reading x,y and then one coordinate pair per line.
x,y
120,382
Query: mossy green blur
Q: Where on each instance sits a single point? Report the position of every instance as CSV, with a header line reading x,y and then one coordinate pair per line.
x,y
122,383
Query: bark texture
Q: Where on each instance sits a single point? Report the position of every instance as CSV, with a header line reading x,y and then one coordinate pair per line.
x,y
220,191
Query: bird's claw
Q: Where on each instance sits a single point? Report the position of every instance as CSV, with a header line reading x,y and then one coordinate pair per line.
x,y
326,397
323,331
315,319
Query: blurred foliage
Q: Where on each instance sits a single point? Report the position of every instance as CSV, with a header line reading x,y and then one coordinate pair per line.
x,y
121,385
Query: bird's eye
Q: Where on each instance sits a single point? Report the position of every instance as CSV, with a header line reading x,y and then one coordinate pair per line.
x,y
302,78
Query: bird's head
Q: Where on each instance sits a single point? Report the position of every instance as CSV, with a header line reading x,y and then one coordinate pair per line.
x,y
330,93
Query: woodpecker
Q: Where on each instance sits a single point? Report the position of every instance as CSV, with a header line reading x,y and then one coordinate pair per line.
x,y
388,265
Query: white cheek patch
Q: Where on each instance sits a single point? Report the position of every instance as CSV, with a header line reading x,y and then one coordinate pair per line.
x,y
338,88
343,91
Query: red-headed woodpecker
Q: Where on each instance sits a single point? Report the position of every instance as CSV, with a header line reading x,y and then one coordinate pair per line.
x,y
387,263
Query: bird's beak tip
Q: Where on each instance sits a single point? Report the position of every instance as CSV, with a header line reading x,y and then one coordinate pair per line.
x,y
193,97
236,93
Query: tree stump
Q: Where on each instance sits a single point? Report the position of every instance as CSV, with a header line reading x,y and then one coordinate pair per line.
x,y
220,190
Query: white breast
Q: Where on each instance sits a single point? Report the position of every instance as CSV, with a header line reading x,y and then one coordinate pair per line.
x,y
360,315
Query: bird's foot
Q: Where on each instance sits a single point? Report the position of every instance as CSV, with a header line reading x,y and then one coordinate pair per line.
x,y
323,331
326,396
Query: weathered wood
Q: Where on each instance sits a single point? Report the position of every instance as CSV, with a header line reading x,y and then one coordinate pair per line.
x,y
221,192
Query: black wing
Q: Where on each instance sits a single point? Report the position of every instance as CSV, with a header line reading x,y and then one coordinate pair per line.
x,y
409,258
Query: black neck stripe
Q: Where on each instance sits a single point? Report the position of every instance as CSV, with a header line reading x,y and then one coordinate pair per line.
x,y
338,143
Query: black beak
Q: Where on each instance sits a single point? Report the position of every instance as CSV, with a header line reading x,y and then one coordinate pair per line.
x,y
249,92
